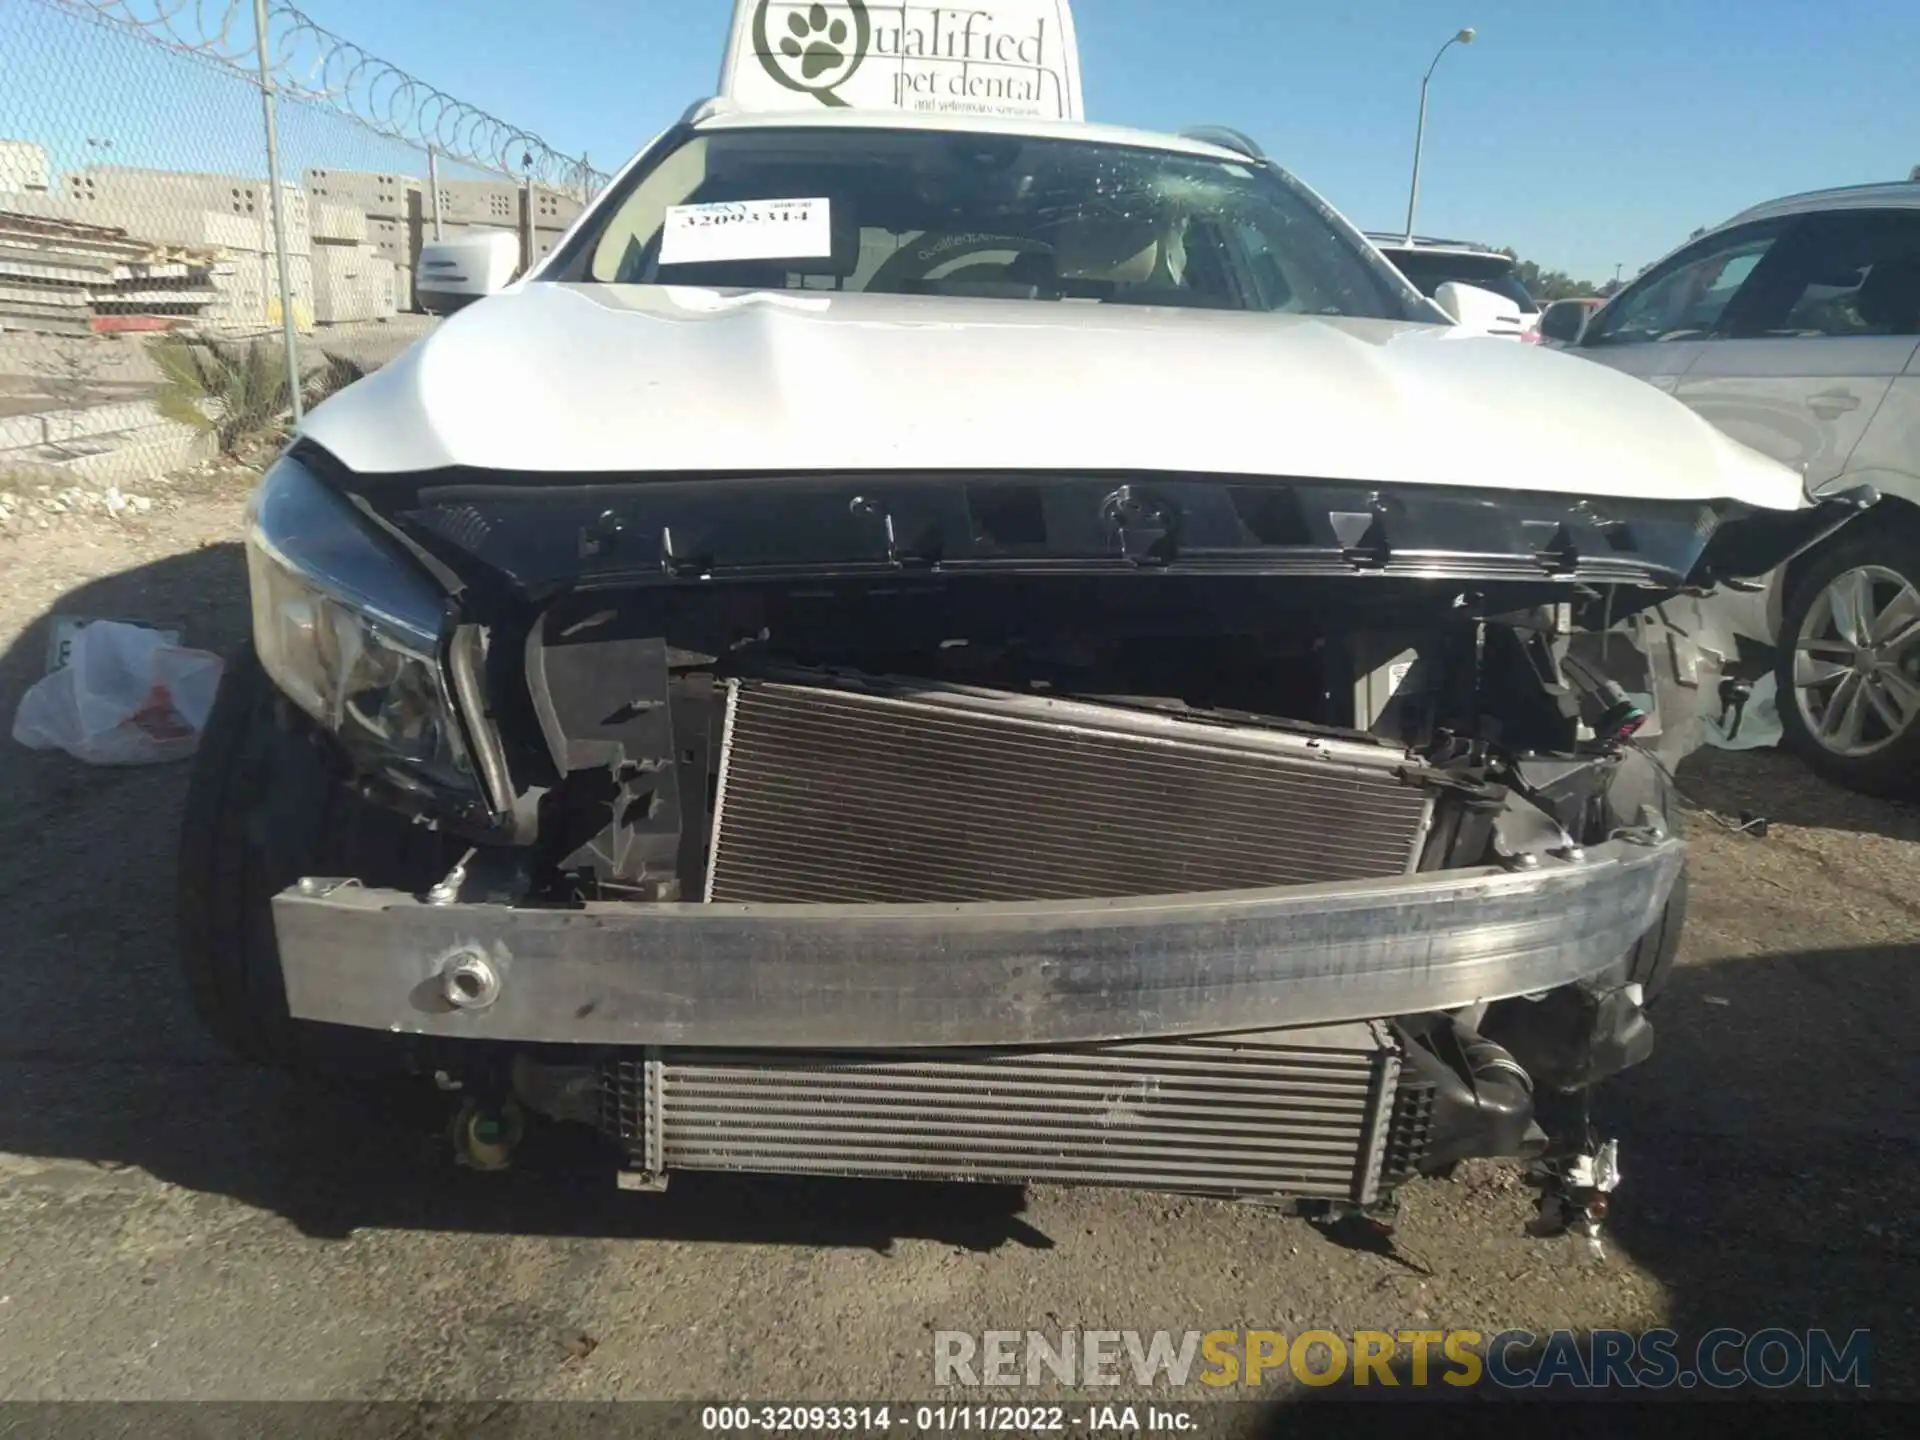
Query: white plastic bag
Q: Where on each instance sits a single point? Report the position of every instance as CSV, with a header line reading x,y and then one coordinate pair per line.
x,y
126,696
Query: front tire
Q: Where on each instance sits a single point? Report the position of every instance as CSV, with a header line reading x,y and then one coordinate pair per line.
x,y
262,811
1849,666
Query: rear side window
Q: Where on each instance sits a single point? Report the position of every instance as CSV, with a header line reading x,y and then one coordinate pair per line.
x,y
1513,290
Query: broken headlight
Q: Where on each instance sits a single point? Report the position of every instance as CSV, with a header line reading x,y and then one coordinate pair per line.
x,y
350,630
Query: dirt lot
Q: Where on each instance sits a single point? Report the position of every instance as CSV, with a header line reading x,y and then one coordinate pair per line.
x,y
174,1226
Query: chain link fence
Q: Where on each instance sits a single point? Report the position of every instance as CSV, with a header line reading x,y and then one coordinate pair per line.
x,y
157,306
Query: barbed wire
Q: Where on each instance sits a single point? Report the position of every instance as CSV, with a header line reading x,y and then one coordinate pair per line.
x,y
309,62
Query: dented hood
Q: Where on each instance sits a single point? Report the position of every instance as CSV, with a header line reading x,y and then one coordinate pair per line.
x,y
631,380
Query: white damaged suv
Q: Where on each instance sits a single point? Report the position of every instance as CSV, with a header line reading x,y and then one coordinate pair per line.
x,y
969,648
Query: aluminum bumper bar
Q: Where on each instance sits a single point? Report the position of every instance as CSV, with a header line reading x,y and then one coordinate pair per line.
x,y
897,976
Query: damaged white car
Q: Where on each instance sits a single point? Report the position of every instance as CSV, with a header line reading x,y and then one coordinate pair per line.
x,y
975,649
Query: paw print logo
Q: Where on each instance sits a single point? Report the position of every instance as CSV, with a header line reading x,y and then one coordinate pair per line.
x,y
822,45
815,42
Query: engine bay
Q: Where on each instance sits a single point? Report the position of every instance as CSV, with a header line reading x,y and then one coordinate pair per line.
x,y
595,628
1022,738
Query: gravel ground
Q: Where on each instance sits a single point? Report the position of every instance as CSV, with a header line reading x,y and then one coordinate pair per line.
x,y
174,1226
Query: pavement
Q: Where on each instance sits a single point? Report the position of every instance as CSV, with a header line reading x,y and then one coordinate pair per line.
x,y
176,1226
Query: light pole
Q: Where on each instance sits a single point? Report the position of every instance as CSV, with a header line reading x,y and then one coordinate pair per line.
x,y
1464,37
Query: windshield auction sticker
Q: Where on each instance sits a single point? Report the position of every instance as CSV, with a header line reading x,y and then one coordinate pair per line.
x,y
747,230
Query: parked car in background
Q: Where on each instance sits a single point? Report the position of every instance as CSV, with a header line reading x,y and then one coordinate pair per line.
x,y
1563,320
1430,264
1794,327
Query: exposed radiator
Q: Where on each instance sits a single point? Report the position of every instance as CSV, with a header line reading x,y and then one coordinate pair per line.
x,y
1302,1113
865,795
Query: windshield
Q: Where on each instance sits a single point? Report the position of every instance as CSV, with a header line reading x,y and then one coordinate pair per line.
x,y
904,212
1430,269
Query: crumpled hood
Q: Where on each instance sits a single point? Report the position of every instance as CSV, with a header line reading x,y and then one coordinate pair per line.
x,y
573,379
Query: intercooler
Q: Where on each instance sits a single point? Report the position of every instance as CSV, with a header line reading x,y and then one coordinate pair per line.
x,y
1306,1113
864,793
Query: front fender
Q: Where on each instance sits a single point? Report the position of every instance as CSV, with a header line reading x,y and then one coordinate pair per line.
x,y
1761,541
1899,503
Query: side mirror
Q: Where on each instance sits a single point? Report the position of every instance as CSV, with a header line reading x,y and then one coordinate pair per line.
x,y
1473,308
461,269
1564,324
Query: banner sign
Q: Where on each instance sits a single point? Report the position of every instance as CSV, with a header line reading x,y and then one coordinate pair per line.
x,y
1003,57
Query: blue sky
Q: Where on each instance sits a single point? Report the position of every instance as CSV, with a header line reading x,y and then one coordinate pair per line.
x,y
1584,135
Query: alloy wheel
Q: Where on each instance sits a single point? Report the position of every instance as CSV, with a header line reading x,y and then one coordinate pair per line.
x,y
1856,662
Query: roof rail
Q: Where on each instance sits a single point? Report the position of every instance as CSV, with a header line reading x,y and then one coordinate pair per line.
x,y
1226,139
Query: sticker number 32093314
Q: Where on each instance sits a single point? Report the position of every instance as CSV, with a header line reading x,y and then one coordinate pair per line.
x,y
747,230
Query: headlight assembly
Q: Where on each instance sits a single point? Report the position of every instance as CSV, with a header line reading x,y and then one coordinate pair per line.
x,y
350,630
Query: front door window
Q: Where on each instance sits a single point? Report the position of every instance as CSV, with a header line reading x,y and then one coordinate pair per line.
x,y
1687,298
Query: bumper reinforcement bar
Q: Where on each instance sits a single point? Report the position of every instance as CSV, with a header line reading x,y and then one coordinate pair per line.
x,y
906,976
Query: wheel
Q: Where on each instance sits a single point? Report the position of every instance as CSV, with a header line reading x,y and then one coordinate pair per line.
x,y
1849,665
263,810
